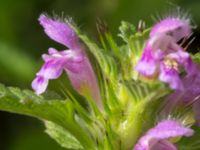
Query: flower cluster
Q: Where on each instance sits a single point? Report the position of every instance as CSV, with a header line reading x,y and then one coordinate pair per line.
x,y
162,58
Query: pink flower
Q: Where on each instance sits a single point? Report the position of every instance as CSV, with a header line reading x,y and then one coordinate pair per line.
x,y
162,56
157,137
73,61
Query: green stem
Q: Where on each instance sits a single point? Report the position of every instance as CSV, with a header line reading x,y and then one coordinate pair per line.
x,y
132,128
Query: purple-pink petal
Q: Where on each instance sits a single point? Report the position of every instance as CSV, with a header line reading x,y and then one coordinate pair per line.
x,y
190,95
83,78
147,64
39,84
171,76
163,145
191,86
162,131
52,69
52,51
174,26
76,65
60,32
56,62
183,58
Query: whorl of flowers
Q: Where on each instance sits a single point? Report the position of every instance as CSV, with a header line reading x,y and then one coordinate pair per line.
x,y
127,111
163,57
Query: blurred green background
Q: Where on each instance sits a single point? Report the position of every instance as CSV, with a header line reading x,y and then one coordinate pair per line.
x,y
22,41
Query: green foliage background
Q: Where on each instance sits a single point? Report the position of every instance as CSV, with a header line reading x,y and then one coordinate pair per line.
x,y
22,41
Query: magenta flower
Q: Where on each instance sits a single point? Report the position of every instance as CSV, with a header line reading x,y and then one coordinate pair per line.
x,y
162,56
73,61
157,137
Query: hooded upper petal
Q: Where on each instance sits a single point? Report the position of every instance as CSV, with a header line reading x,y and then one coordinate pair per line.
x,y
157,136
60,32
176,27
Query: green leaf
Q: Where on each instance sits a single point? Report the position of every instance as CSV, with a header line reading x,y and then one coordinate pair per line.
x,y
126,30
59,112
196,57
112,44
106,39
138,91
131,52
106,61
137,41
62,136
